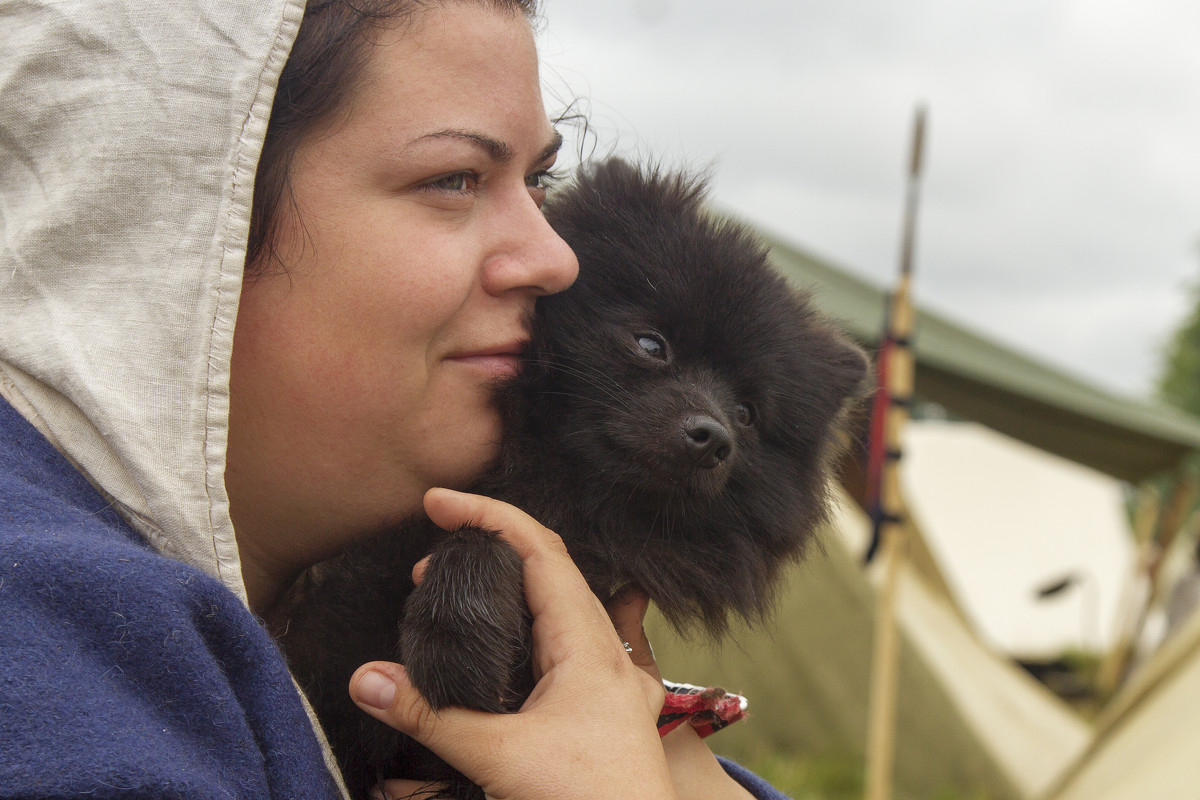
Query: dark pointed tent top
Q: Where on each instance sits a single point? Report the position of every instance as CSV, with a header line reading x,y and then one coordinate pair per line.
x,y
977,379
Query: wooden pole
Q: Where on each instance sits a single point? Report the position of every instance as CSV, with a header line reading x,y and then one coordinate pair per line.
x,y
891,530
1152,553
1115,664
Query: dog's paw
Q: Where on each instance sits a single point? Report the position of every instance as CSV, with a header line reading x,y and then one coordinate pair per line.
x,y
465,636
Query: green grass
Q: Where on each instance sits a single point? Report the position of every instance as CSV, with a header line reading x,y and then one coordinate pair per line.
x,y
827,777
820,778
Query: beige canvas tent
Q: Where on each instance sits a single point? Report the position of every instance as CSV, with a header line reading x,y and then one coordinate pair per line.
x,y
967,718
1146,745
1008,523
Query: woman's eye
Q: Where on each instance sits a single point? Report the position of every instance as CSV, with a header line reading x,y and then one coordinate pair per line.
x,y
745,414
542,179
539,183
652,345
454,182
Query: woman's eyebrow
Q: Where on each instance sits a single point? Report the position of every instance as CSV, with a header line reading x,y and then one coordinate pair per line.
x,y
551,149
498,151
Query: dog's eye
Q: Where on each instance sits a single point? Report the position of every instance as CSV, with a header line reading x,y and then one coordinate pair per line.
x,y
652,345
745,414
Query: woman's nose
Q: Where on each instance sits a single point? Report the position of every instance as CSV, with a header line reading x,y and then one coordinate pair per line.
x,y
532,256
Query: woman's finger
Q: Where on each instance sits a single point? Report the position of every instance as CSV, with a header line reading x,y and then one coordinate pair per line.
x,y
450,510
627,610
514,744
554,577
569,621
384,691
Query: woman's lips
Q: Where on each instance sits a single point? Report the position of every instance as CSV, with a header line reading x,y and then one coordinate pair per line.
x,y
503,361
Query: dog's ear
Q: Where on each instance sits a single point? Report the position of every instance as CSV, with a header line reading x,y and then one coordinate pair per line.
x,y
841,376
854,375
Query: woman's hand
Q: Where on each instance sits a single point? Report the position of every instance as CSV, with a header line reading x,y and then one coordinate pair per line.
x,y
587,730
695,771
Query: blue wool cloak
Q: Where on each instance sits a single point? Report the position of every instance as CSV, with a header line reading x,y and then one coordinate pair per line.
x,y
124,673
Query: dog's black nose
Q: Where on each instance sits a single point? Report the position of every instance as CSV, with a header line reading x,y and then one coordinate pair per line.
x,y
706,441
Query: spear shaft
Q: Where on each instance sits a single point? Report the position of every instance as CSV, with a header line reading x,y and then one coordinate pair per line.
x,y
890,532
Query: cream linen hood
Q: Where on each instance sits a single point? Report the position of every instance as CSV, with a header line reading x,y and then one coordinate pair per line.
x,y
129,137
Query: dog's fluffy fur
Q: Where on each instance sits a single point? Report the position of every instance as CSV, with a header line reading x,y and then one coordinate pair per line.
x,y
674,423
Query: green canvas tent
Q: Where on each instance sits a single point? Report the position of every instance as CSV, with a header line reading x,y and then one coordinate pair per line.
x,y
983,381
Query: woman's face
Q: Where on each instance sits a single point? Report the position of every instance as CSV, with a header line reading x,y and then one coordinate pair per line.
x,y
362,373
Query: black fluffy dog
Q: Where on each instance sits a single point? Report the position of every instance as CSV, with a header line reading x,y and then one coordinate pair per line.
x,y
674,423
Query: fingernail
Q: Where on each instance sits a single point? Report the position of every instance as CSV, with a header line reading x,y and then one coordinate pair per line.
x,y
376,690
418,570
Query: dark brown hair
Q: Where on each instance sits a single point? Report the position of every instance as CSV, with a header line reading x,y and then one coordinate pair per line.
x,y
317,82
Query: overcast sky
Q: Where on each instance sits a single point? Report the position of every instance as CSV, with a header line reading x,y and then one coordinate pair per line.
x,y
1061,204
